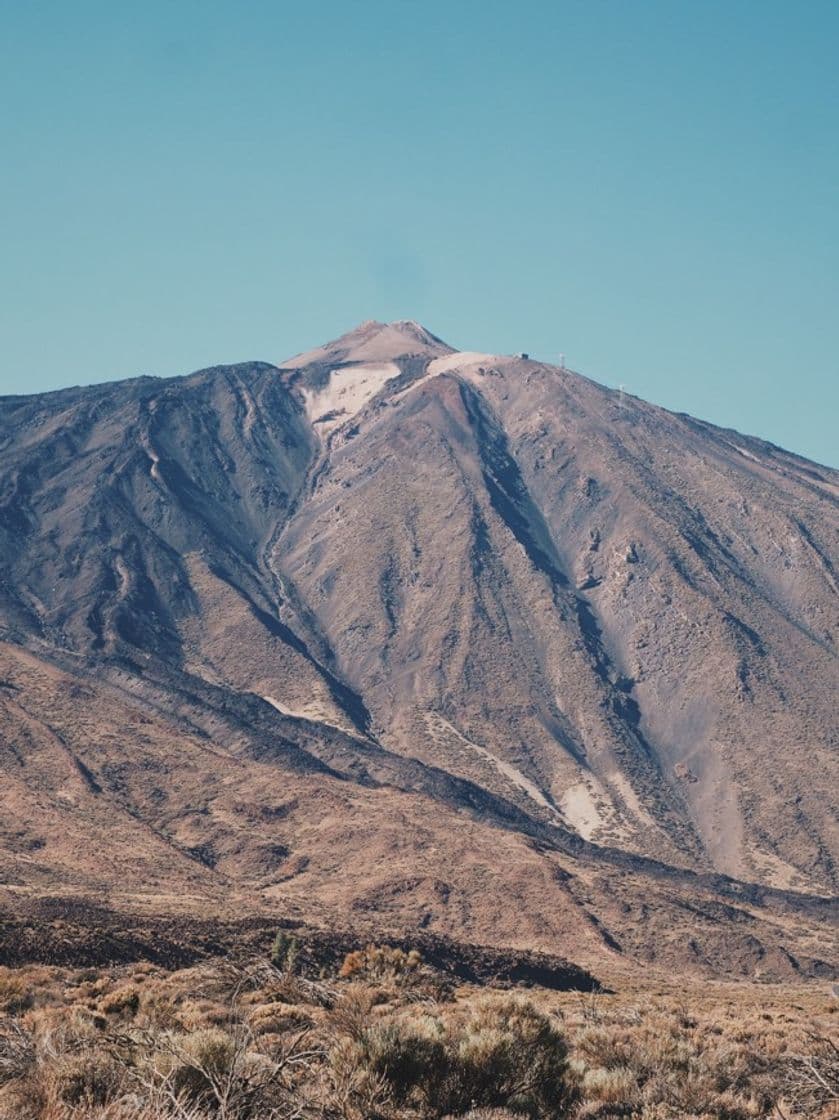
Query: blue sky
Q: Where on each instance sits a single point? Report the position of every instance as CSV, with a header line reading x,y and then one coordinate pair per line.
x,y
648,187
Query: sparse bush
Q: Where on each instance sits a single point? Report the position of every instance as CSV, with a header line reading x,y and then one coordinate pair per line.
x,y
194,1064
285,952
353,1090
510,1054
411,1059
16,993
220,1073
614,1086
602,1047
159,1010
22,1099
17,1051
397,970
277,1018
380,962
123,1002
352,1012
91,1077
811,1078
503,1054
234,1040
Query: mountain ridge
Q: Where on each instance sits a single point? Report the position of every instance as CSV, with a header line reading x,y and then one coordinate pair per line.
x,y
449,582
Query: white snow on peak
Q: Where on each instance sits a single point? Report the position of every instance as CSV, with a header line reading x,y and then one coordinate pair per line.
x,y
459,359
347,391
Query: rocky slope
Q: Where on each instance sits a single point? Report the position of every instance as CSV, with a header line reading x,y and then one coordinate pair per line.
x,y
418,637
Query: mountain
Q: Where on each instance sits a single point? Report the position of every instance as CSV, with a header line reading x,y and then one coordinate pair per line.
x,y
399,636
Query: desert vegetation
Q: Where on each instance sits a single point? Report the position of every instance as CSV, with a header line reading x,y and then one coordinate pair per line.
x,y
384,1036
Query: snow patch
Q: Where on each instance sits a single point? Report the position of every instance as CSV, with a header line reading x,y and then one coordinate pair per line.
x,y
146,444
347,391
459,359
579,807
250,411
313,712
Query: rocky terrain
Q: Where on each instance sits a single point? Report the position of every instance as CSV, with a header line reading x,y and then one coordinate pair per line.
x,y
392,636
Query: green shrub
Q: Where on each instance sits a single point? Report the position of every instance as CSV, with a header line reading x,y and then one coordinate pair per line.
x,y
285,951
412,1062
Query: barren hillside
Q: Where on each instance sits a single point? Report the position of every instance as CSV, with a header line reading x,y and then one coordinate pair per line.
x,y
395,635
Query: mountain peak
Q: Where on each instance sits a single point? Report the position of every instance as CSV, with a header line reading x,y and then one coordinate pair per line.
x,y
410,328
462,609
378,342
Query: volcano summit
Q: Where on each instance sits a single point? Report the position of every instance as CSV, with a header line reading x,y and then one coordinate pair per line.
x,y
396,636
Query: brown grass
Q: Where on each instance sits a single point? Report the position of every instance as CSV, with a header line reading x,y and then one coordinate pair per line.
x,y
233,1041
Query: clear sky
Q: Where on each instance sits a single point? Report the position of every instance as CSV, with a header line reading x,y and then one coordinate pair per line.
x,y
649,186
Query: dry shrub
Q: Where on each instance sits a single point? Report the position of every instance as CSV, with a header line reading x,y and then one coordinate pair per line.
x,y
500,1054
279,1018
64,1030
811,1078
91,1077
601,1047
123,1002
380,962
672,1064
17,1051
352,1012
258,981
233,1041
22,1099
398,973
489,1114
191,1066
196,1014
411,1059
158,1010
16,992
512,1054
88,991
352,1089
278,987
226,1073
616,1085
